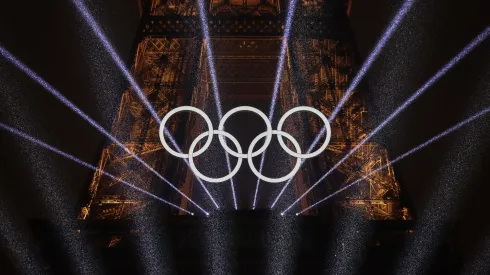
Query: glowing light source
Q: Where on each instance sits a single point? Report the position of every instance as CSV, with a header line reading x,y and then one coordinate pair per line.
x,y
482,36
74,108
411,151
357,79
120,64
212,72
81,162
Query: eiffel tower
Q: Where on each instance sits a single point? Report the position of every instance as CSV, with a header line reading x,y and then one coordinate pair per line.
x,y
171,67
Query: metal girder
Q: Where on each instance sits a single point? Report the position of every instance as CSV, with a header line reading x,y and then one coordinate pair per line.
x,y
324,68
182,27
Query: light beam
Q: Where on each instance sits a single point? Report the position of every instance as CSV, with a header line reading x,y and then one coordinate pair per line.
x,y
395,22
214,80
317,139
277,81
482,36
120,64
282,243
373,55
16,244
115,57
348,243
74,108
81,162
411,151
480,263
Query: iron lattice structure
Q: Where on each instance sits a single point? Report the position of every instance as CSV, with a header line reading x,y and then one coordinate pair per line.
x,y
171,67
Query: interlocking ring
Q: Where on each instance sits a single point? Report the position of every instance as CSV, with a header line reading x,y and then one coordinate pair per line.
x,y
192,155
179,109
327,135
264,178
250,153
249,109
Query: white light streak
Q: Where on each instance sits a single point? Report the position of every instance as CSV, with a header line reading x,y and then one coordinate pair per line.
x,y
277,82
374,54
212,71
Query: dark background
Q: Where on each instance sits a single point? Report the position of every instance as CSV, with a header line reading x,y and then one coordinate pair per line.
x,y
52,40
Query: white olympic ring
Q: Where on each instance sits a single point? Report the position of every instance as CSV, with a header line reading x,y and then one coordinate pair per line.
x,y
264,178
250,153
179,109
316,112
192,155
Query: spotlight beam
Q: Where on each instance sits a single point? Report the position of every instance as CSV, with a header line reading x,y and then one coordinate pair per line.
x,y
74,108
395,22
282,56
13,241
115,57
81,162
82,9
277,81
411,151
212,70
312,146
482,36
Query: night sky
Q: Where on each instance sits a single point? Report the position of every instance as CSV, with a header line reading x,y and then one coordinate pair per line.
x,y
54,41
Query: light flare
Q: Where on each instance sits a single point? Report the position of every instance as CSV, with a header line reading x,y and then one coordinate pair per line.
x,y
315,142
112,52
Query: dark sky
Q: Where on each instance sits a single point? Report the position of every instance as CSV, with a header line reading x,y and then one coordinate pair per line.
x,y
50,38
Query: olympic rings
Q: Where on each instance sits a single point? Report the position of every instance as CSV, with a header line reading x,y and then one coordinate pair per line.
x,y
192,155
316,112
176,110
250,153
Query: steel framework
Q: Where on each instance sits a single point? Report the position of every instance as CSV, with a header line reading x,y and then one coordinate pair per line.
x,y
324,69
